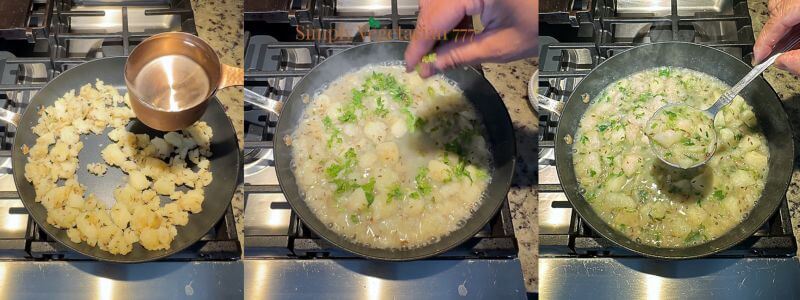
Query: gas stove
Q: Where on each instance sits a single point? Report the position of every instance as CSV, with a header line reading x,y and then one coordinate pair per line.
x,y
59,35
576,40
279,248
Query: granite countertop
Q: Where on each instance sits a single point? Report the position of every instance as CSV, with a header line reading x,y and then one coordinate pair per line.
x,y
788,88
219,23
511,81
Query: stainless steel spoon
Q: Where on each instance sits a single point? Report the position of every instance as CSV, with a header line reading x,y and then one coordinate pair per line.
x,y
788,43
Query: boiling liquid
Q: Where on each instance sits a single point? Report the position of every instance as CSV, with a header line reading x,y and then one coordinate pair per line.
x,y
172,83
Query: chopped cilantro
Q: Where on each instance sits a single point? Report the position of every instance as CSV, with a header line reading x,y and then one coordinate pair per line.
x,y
354,219
348,115
671,115
584,139
481,174
335,133
429,58
695,237
664,72
592,173
590,196
687,142
411,119
348,111
738,136
458,144
460,170
345,185
394,193
719,195
358,96
344,167
333,170
380,109
369,191
424,186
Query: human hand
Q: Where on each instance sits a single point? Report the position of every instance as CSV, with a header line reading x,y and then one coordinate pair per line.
x,y
784,15
510,33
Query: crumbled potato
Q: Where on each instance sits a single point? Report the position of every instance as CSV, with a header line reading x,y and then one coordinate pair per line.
x,y
164,186
137,215
97,168
138,181
192,201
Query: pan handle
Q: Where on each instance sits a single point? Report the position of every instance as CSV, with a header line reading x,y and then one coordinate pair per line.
x,y
10,117
271,105
542,102
548,104
231,76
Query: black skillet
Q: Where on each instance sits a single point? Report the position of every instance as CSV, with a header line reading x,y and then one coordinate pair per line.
x,y
767,107
224,162
476,88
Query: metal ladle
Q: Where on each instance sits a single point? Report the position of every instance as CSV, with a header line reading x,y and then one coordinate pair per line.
x,y
789,42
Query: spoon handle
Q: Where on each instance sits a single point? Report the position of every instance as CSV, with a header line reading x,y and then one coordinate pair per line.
x,y
790,41
728,96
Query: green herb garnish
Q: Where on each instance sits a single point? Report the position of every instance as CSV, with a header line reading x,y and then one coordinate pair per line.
x,y
345,185
671,115
695,236
423,182
429,58
381,110
719,195
394,193
369,191
335,133
664,72
460,170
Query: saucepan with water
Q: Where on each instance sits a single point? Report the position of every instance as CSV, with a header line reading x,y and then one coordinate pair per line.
x,y
171,76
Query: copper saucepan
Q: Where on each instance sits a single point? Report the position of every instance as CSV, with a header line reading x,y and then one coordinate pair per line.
x,y
171,76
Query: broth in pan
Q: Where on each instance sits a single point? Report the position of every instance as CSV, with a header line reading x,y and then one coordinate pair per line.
x,y
390,160
647,200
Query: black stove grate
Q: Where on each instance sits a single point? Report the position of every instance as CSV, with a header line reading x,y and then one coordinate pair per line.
x,y
557,78
268,72
50,51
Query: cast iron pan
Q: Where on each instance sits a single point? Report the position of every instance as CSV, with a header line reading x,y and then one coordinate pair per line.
x,y
766,105
224,163
477,89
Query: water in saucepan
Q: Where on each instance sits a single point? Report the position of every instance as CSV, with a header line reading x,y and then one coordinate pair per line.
x,y
172,83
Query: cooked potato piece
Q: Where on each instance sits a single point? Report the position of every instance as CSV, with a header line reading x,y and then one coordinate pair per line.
x,y
192,201
138,181
164,186
97,168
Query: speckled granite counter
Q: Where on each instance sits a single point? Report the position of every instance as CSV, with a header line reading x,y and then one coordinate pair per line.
x,y
219,22
788,88
511,81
